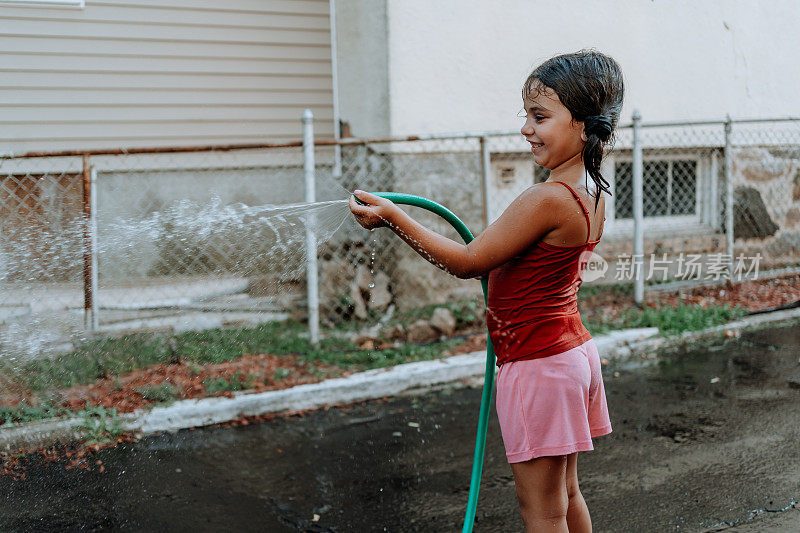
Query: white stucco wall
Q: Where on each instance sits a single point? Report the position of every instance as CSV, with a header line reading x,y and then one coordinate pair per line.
x,y
457,65
363,66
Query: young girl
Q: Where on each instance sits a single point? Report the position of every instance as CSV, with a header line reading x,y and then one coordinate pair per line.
x,y
550,395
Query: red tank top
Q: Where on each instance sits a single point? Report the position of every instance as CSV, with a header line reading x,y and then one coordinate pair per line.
x,y
532,306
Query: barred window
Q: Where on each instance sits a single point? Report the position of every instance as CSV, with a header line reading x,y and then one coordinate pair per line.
x,y
669,188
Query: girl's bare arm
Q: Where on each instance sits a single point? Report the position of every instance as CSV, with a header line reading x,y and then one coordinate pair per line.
x,y
530,217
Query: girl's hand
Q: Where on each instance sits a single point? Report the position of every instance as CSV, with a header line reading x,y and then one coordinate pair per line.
x,y
376,214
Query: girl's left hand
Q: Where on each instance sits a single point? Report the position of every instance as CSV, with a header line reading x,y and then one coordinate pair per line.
x,y
376,214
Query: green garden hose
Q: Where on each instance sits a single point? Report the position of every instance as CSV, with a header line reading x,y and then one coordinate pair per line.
x,y
488,382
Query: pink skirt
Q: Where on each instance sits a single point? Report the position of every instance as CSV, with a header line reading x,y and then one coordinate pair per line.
x,y
553,405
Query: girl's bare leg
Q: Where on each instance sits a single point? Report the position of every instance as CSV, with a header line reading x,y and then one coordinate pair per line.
x,y
542,493
578,518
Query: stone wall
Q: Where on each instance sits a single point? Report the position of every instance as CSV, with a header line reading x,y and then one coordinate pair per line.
x,y
767,215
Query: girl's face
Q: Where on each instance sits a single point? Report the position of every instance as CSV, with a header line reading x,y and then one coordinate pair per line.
x,y
554,137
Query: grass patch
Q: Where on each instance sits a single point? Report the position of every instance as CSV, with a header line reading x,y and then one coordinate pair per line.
x,y
368,359
100,424
26,413
163,393
618,290
114,357
668,320
94,360
234,383
673,320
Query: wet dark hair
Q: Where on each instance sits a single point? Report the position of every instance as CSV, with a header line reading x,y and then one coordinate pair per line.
x,y
590,85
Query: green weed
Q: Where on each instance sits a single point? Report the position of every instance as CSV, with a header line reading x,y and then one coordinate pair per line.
x,y
250,380
114,357
668,320
162,393
234,383
94,360
363,359
100,424
620,290
26,413
674,320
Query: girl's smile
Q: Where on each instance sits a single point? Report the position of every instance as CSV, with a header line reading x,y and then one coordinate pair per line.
x,y
556,139
535,146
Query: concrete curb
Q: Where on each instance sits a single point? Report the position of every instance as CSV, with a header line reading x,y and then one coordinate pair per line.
x,y
405,378
648,348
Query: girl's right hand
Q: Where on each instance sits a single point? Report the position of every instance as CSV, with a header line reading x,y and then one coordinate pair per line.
x,y
376,214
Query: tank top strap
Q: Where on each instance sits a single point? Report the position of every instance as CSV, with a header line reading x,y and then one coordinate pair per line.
x,y
585,211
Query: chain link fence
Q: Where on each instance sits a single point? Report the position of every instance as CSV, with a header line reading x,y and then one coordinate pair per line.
x,y
690,173
41,259
203,238
367,276
683,201
166,242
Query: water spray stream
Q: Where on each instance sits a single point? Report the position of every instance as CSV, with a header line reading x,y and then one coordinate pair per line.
x,y
40,264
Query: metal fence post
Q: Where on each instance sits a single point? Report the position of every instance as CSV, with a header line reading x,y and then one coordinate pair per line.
x,y
728,195
89,240
95,314
312,289
714,204
638,211
486,175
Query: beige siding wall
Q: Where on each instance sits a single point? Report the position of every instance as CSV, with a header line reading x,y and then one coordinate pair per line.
x,y
126,73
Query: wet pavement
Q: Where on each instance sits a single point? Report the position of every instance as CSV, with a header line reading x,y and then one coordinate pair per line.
x,y
706,440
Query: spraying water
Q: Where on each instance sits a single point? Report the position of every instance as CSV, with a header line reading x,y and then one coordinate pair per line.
x,y
246,232
41,295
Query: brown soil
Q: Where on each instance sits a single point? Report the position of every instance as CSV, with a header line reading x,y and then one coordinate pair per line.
x,y
472,343
751,295
125,392
188,378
